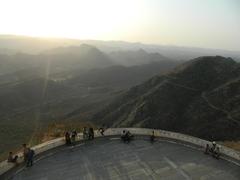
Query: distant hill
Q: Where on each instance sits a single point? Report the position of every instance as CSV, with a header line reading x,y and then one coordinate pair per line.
x,y
121,76
138,57
60,62
77,57
200,98
84,62
11,44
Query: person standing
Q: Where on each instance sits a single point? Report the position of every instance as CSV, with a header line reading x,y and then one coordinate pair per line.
x,y
67,138
30,155
207,149
25,152
91,133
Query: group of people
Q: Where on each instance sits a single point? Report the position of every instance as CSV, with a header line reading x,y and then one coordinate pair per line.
x,y
214,150
126,136
88,134
28,155
70,137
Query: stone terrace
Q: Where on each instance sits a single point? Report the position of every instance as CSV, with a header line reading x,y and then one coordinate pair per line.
x,y
109,158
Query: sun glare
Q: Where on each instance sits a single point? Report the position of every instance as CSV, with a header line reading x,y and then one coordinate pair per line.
x,y
73,18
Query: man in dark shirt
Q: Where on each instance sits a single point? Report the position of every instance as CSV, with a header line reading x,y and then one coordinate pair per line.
x,y
91,134
67,138
30,157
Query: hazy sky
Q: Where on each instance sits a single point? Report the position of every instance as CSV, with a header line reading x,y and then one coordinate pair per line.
x,y
200,23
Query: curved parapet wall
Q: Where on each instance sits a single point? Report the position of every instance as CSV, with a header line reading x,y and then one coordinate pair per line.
x,y
227,153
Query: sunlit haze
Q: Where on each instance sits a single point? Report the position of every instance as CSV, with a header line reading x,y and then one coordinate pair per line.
x,y
208,23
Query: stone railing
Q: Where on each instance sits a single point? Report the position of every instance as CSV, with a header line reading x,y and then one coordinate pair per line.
x,y
183,138
228,153
5,166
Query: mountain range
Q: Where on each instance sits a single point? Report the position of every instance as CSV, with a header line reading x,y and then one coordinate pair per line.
x,y
11,44
199,98
118,84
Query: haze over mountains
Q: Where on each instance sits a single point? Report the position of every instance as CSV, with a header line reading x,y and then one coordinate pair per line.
x,y
200,98
12,44
116,83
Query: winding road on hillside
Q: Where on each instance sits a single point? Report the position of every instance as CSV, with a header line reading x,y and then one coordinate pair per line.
x,y
203,95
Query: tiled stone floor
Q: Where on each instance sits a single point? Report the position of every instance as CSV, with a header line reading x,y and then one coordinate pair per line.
x,y
139,160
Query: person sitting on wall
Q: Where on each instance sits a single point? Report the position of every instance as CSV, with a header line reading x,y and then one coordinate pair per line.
x,y
25,152
67,138
85,133
101,130
73,136
30,157
91,134
128,136
213,148
12,159
207,149
216,153
123,135
152,137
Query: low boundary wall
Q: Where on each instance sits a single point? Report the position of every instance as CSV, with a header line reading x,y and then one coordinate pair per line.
x,y
228,154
